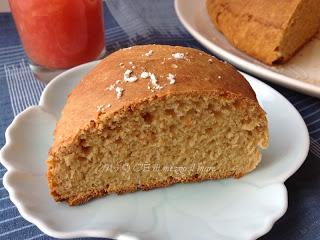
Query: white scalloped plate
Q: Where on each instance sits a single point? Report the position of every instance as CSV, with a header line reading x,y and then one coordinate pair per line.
x,y
301,73
226,209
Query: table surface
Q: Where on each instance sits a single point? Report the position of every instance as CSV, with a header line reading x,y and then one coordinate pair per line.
x,y
141,22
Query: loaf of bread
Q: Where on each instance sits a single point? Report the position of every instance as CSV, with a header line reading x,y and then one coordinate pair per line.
x,y
151,116
271,31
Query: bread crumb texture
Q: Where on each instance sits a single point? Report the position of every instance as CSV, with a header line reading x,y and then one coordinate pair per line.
x,y
203,123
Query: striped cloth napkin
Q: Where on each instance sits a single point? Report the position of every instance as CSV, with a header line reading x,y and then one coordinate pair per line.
x,y
141,22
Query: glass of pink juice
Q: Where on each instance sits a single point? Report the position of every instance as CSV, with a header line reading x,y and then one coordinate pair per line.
x,y
59,34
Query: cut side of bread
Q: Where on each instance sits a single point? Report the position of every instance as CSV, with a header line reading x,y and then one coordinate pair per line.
x,y
271,31
206,125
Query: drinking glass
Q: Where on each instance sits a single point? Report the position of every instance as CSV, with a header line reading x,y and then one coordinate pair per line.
x,y
59,34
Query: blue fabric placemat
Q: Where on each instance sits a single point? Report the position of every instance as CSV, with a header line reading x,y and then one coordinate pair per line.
x,y
140,22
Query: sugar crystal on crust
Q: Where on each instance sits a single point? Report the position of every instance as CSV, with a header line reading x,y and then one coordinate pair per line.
x,y
127,76
178,56
171,78
119,92
148,54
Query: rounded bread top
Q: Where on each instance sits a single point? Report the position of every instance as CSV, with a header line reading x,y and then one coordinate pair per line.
x,y
135,74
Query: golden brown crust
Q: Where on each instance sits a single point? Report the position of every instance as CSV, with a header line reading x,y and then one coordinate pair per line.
x,y
194,73
198,73
81,199
260,28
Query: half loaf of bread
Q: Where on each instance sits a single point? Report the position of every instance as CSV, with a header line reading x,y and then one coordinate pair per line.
x,y
269,30
150,116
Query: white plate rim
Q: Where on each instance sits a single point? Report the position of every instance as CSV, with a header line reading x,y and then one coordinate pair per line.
x,y
243,64
97,233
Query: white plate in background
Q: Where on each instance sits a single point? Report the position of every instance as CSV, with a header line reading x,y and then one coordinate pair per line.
x,y
4,6
301,73
228,209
